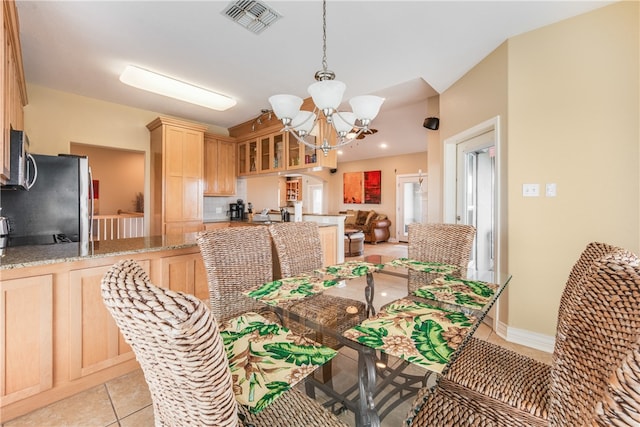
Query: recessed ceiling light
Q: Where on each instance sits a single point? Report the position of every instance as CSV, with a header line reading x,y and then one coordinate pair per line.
x,y
340,152
383,145
167,86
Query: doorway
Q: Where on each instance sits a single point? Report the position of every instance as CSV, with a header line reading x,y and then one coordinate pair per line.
x,y
473,192
411,203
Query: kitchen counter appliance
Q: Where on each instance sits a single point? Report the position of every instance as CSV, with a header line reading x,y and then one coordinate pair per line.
x,y
23,168
56,209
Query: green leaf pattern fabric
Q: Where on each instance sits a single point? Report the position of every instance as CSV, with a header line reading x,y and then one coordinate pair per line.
x,y
418,332
350,269
423,266
467,293
289,289
267,359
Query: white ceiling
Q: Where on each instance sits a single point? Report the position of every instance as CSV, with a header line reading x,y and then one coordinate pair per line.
x,y
402,50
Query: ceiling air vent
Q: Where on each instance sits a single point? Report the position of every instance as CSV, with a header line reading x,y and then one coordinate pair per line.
x,y
253,15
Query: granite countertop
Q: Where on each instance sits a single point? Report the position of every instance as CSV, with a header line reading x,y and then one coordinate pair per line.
x,y
29,256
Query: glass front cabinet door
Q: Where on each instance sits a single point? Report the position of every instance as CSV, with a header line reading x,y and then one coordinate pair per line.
x,y
248,157
272,152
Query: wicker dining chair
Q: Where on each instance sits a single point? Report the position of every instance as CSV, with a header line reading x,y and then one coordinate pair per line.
x,y
598,336
176,340
445,243
481,360
299,250
236,259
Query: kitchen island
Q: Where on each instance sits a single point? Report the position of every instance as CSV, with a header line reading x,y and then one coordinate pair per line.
x,y
57,337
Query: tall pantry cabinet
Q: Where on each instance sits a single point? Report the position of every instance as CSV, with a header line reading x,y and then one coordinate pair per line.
x,y
177,150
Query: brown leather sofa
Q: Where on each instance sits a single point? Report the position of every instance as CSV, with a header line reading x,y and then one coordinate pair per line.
x,y
375,226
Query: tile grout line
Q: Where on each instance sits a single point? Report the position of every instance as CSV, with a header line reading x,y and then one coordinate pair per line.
x,y
115,413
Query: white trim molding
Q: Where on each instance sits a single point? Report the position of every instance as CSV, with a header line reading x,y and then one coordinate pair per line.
x,y
530,339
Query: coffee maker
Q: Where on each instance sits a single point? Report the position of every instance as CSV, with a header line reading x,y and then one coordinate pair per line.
x,y
236,210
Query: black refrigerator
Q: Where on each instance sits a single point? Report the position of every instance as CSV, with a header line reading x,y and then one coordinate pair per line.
x,y
56,209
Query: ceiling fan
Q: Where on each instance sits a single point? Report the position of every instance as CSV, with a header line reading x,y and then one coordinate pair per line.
x,y
367,132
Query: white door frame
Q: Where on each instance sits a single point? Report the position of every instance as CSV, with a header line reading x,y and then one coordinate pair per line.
x,y
450,184
404,178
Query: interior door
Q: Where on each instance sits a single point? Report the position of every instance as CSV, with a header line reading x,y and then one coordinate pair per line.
x,y
411,203
476,196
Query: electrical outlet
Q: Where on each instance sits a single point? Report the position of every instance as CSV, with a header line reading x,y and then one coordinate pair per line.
x,y
218,210
530,190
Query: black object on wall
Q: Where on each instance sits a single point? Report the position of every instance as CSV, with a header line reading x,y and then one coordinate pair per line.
x,y
431,123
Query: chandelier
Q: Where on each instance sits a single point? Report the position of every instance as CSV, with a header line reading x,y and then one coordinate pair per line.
x,y
327,95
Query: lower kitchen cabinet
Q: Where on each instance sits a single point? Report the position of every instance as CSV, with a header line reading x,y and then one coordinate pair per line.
x,y
58,338
329,242
26,310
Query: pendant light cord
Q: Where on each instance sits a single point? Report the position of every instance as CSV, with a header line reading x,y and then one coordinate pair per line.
x,y
324,35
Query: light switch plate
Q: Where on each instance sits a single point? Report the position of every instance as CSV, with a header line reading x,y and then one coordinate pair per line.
x,y
551,190
530,190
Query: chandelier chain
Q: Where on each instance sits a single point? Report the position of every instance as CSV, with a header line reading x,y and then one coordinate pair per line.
x,y
324,35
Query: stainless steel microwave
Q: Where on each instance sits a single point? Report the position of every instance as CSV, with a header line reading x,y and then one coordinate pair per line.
x,y
24,170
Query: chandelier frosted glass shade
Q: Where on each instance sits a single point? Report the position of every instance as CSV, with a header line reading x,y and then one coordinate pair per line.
x,y
327,94
366,107
304,122
285,106
344,122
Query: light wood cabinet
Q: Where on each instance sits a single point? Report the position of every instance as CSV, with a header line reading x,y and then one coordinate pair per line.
x,y
177,164
293,189
13,81
95,342
219,165
26,310
185,273
248,156
57,337
272,152
329,242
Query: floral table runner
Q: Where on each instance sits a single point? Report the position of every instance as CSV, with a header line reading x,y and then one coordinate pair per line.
x,y
416,332
350,269
423,266
267,359
289,289
467,293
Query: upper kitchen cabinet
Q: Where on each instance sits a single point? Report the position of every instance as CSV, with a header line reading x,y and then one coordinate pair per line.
x,y
263,153
15,88
301,156
177,151
219,165
272,152
248,157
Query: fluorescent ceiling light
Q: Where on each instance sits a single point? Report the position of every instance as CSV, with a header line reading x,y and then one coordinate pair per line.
x,y
166,86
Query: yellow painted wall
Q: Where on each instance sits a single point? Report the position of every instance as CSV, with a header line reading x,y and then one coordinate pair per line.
x,y
120,174
568,100
54,119
574,121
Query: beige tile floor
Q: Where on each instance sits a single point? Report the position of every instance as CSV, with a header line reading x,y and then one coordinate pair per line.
x,y
126,402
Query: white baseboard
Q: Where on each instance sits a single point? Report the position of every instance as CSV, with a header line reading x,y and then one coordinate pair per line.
x,y
527,338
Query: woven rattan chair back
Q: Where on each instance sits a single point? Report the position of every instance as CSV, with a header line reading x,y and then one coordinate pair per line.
x,y
236,259
621,403
599,328
177,342
445,243
579,272
298,247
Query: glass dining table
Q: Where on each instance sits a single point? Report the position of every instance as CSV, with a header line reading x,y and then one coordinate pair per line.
x,y
417,319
